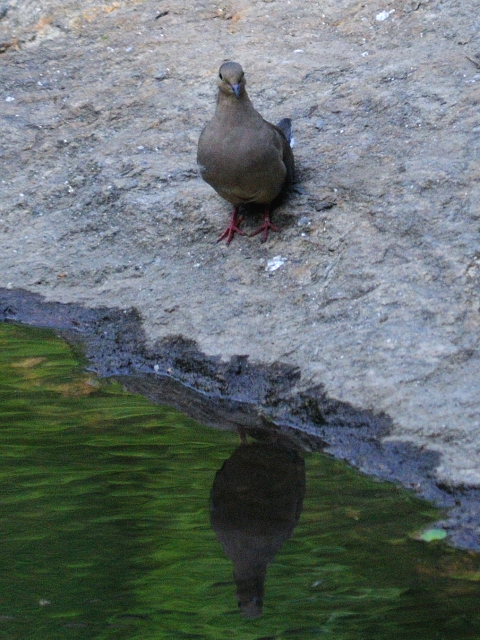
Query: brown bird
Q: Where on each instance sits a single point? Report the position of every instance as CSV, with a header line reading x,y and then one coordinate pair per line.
x,y
241,155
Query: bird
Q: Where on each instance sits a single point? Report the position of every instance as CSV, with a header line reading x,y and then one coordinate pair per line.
x,y
242,156
255,503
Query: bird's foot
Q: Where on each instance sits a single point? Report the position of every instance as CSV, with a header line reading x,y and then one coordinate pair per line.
x,y
265,227
232,228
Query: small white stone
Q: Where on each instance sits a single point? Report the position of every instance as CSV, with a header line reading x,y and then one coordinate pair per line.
x,y
383,15
275,263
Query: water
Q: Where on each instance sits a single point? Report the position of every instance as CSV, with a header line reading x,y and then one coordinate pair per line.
x,y
105,527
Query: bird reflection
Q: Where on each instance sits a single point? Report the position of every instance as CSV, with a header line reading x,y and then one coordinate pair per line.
x,y
255,503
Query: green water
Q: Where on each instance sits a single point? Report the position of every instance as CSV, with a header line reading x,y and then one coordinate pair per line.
x,y
105,533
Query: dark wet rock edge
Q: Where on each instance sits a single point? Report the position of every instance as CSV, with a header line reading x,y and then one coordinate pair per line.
x,y
255,397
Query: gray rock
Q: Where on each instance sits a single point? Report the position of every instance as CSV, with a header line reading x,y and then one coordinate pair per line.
x,y
379,302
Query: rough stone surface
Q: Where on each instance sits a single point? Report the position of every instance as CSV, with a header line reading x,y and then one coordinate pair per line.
x,y
371,290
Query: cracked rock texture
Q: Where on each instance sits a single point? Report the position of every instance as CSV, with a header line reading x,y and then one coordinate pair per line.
x,y
372,286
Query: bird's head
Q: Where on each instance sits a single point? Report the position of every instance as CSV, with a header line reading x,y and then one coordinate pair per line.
x,y
251,608
231,79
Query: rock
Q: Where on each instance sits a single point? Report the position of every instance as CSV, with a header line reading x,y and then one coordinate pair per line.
x,y
378,302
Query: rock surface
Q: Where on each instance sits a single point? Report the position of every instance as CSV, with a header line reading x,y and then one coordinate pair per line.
x,y
372,287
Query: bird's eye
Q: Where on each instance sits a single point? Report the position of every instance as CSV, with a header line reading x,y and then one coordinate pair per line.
x,y
220,76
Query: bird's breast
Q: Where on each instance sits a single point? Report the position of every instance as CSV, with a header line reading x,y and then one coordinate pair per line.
x,y
241,168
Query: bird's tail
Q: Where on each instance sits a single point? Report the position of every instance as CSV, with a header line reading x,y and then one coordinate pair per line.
x,y
285,127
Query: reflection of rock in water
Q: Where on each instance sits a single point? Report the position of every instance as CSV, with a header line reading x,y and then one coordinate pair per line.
x,y
255,503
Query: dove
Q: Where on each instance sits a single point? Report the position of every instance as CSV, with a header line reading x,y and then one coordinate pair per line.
x,y
242,156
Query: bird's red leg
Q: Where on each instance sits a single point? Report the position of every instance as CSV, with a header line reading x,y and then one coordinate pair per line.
x,y
266,225
232,227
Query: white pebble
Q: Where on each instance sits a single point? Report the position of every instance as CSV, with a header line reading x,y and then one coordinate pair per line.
x,y
275,263
383,15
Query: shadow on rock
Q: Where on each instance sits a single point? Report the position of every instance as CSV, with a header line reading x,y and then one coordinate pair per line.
x,y
255,503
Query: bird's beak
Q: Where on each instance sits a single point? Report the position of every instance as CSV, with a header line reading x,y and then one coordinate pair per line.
x,y
236,90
